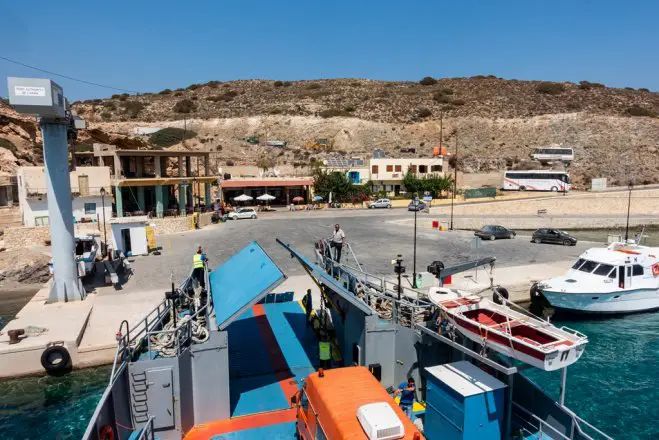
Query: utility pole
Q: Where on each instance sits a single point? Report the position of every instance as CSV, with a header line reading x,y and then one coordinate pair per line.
x,y
455,178
441,130
630,185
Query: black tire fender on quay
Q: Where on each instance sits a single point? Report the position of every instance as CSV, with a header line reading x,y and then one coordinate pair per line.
x,y
535,294
56,360
503,292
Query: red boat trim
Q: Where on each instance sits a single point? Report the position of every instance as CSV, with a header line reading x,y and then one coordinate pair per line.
x,y
494,337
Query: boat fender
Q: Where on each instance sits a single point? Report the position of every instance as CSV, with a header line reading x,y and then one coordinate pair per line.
x,y
107,433
535,293
502,293
56,360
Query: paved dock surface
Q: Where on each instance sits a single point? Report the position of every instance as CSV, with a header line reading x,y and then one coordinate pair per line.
x,y
89,328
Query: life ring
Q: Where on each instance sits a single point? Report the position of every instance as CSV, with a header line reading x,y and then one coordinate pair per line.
x,y
56,360
107,433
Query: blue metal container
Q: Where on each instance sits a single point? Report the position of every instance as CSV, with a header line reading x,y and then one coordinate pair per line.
x,y
463,403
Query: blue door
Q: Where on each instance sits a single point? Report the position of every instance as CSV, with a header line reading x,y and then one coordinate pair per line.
x,y
353,176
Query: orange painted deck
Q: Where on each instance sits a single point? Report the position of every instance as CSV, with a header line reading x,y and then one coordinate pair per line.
x,y
208,430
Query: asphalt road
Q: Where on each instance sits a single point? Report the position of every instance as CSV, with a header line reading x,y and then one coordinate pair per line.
x,y
375,236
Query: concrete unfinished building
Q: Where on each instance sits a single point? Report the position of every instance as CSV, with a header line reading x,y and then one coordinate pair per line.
x,y
159,183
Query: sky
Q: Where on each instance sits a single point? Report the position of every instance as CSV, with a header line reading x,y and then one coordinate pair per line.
x,y
147,46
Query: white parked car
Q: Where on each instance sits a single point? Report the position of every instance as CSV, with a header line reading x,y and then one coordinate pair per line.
x,y
380,203
242,213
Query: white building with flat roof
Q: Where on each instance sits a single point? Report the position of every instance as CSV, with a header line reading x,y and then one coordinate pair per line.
x,y
386,174
86,184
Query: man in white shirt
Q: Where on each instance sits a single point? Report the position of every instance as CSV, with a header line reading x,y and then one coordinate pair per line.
x,y
338,238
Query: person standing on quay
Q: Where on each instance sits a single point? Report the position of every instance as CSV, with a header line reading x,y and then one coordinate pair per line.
x,y
338,238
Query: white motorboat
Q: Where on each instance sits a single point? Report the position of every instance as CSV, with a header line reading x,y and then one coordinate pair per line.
x,y
621,278
86,250
511,333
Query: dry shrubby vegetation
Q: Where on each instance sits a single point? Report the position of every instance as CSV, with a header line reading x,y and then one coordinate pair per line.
x,y
499,121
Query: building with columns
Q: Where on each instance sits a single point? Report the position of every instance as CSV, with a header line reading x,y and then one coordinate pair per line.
x,y
156,182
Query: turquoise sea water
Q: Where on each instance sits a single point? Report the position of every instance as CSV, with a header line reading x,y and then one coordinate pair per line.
x,y
615,385
50,407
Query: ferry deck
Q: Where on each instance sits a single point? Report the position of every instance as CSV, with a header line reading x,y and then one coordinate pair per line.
x,y
238,383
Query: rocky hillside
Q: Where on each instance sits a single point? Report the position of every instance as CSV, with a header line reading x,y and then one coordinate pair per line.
x,y
378,101
21,143
497,123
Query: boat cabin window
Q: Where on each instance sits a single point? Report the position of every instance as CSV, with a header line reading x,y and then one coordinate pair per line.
x,y
603,269
637,270
588,266
578,263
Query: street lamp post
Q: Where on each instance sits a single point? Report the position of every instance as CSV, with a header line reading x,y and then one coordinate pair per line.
x,y
416,209
630,185
105,233
455,178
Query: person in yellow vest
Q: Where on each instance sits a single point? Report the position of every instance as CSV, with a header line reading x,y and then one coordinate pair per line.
x,y
198,261
325,352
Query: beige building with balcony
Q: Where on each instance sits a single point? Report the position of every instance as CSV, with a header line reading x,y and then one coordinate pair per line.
x,y
387,173
86,184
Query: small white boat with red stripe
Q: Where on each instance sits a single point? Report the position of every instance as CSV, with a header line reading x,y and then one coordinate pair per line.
x,y
514,334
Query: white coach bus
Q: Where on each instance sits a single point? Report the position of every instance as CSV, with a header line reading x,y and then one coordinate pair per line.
x,y
536,180
553,154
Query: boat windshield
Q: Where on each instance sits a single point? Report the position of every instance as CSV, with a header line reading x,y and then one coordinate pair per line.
x,y
578,263
588,266
604,270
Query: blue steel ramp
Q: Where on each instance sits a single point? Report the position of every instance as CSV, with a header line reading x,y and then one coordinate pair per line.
x,y
241,282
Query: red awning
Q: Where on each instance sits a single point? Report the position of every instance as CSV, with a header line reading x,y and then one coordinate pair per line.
x,y
264,183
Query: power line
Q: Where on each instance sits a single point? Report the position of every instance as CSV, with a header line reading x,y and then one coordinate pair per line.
x,y
68,77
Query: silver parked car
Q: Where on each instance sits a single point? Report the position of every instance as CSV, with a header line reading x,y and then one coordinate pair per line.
x,y
380,203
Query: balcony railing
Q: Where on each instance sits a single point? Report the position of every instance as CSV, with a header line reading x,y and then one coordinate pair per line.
x,y
41,192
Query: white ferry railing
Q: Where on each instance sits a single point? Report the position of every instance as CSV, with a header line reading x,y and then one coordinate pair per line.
x,y
543,427
182,333
539,429
579,421
153,319
148,432
125,340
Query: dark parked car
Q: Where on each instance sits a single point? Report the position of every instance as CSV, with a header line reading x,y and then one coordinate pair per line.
x,y
548,235
492,232
420,206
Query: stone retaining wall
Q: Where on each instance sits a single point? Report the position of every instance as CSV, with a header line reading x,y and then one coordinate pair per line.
x,y
19,237
171,225
643,202
205,219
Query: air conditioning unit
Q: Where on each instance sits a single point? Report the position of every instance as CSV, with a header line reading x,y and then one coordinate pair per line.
x,y
380,421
